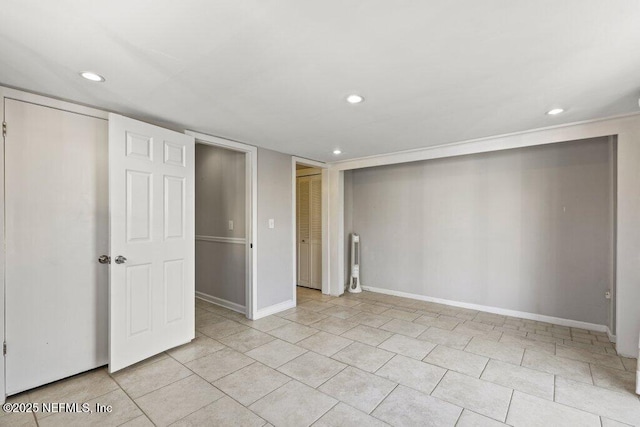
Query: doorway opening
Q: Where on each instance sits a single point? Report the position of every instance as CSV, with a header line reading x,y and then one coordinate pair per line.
x,y
225,201
310,221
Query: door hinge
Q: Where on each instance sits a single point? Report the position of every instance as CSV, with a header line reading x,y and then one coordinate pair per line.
x,y
4,129
4,348
251,245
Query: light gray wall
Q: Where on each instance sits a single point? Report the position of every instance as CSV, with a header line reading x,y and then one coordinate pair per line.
x,y
220,197
524,229
275,246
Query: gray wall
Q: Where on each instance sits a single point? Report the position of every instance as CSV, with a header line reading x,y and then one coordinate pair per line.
x,y
275,246
525,229
220,197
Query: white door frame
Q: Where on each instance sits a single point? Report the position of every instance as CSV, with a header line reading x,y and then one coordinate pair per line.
x,y
251,213
8,93
325,220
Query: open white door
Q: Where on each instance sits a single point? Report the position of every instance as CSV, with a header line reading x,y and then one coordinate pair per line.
x,y
151,198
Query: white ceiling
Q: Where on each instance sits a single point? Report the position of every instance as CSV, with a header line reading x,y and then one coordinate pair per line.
x,y
275,73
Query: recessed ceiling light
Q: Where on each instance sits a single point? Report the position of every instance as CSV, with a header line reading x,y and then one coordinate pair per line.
x,y
92,76
336,152
354,99
555,111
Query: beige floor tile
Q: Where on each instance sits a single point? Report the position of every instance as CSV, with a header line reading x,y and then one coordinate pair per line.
x,y
367,335
504,352
372,308
471,419
407,407
205,318
544,338
370,319
18,418
325,343
314,305
518,378
614,379
123,410
344,301
140,381
340,312
306,317
219,364
403,327
527,343
618,406
363,356
201,346
478,326
276,353
222,329
357,388
293,333
606,422
246,340
446,323
251,383
410,347
479,396
412,373
294,404
401,314
457,360
590,347
334,325
141,421
531,411
449,338
629,363
487,335
222,412
567,368
80,388
312,369
607,360
266,324
175,401
343,415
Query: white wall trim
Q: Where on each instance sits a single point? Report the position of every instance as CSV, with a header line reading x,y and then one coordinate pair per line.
x,y
611,336
221,302
325,221
276,308
480,145
220,239
251,218
495,310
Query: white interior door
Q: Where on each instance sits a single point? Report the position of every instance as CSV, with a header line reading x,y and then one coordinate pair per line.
x,y
315,234
151,197
304,232
56,228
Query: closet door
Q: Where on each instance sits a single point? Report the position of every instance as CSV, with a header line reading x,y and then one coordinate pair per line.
x,y
315,210
56,228
304,231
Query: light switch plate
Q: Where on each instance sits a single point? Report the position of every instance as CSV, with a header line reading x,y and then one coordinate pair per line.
x,y
272,223
230,225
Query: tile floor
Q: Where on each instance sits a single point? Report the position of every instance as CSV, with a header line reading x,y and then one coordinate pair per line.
x,y
366,359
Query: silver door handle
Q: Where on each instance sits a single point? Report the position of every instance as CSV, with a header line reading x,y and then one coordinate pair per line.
x,y
120,259
104,259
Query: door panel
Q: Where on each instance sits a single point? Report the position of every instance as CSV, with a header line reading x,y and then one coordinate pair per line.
x,y
56,228
315,211
304,232
152,294
309,220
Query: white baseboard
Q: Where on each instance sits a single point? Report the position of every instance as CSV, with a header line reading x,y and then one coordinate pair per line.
x,y
221,302
612,337
273,309
496,310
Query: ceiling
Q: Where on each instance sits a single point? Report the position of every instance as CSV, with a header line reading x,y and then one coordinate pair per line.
x,y
276,73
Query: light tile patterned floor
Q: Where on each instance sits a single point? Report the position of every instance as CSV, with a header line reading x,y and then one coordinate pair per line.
x,y
363,359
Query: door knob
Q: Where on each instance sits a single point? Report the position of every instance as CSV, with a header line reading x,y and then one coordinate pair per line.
x,y
120,259
104,259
